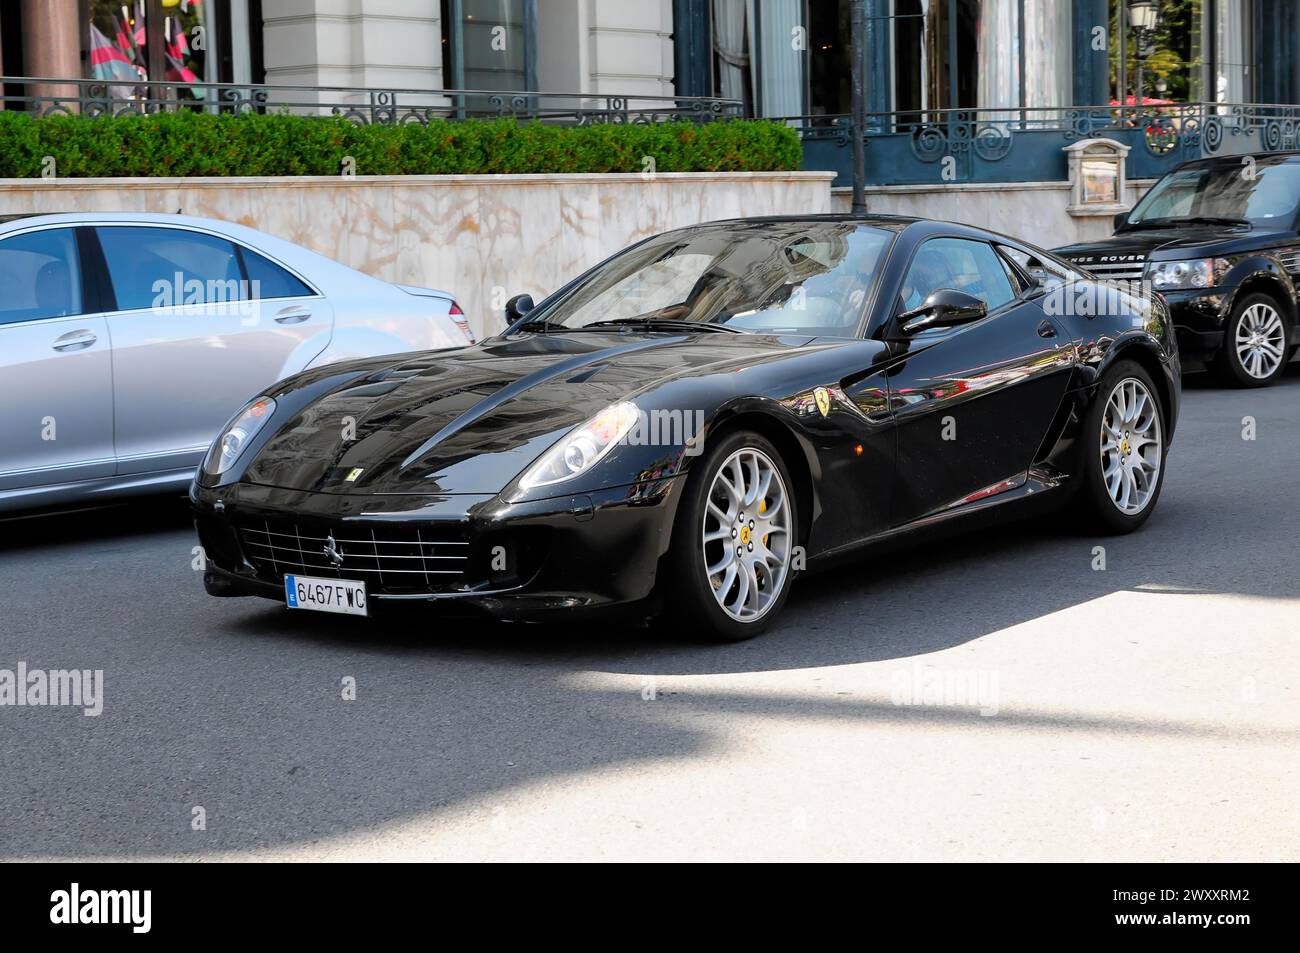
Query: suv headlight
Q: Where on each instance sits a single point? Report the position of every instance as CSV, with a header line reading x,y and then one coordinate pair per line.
x,y
239,433
1191,273
582,448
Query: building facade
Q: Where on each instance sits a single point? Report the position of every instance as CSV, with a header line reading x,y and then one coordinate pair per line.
x,y
980,91
510,45
791,57
781,57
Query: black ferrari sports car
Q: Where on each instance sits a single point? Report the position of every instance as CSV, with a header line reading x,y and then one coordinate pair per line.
x,y
686,427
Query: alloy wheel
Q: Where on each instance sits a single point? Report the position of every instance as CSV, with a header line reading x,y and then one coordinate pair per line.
x,y
1131,446
746,535
1261,341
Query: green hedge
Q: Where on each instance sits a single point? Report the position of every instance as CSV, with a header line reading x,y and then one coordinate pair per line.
x,y
194,144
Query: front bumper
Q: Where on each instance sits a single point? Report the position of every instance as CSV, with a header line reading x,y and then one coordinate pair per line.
x,y
1199,316
527,560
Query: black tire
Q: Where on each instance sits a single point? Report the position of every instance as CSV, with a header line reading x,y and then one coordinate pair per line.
x,y
1228,363
690,606
1098,512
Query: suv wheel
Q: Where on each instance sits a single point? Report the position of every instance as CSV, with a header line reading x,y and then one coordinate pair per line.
x,y
1256,343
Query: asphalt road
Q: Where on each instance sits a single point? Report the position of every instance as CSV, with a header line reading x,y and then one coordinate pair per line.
x,y
1147,711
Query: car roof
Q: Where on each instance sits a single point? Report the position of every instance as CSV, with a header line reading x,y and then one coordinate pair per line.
x,y
319,270
919,228
1234,158
20,216
865,218
99,218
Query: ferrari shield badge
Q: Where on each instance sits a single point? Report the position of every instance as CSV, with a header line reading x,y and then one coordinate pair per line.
x,y
823,398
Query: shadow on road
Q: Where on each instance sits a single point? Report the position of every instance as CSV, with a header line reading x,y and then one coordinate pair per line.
x,y
139,519
234,705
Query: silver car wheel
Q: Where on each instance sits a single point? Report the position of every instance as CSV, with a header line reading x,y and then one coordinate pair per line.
x,y
746,535
1261,341
1131,446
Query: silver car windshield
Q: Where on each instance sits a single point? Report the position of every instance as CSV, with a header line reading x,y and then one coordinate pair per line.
x,y
765,277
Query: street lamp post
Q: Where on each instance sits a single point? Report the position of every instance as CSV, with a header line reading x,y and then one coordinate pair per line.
x,y
857,65
1143,14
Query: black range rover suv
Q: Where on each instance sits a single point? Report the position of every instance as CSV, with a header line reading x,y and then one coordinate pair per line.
x,y
1218,239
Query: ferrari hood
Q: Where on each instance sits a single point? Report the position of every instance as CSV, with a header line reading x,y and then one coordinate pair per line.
x,y
470,420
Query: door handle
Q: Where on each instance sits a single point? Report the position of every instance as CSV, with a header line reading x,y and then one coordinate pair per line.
x,y
74,340
295,314
1047,330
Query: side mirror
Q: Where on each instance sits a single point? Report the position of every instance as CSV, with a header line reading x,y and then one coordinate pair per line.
x,y
1120,220
945,308
517,307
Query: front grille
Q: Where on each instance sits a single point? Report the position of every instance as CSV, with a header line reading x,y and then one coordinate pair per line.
x,y
1116,270
1289,258
391,559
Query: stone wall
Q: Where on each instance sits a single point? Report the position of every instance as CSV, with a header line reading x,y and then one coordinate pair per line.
x,y
482,238
1034,212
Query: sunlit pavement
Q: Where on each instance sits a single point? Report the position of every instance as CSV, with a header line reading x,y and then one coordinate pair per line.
x,y
1147,711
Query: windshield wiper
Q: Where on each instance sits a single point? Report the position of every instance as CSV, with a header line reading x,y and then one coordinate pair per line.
x,y
663,324
544,326
1191,220
652,324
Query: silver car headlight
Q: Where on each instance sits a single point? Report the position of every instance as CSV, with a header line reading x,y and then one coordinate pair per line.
x,y
1190,273
582,448
239,433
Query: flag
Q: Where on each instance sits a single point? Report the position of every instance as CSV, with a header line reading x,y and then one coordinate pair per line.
x,y
106,61
130,40
177,47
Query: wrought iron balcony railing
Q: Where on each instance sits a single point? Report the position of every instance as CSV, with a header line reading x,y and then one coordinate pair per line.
x,y
44,96
1020,145
918,147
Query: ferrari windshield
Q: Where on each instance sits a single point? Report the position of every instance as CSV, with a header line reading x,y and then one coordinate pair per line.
x,y
1262,193
768,277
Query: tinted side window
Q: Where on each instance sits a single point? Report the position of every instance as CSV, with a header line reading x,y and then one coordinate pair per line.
x,y
1018,284
961,264
1049,272
40,276
266,279
163,267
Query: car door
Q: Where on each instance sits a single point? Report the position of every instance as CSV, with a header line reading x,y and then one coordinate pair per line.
x,y
56,376
201,325
972,403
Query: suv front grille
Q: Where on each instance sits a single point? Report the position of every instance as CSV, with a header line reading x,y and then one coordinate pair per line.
x,y
1289,259
390,559
1116,270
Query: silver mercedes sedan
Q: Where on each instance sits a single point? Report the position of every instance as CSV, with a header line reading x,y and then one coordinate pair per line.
x,y
127,340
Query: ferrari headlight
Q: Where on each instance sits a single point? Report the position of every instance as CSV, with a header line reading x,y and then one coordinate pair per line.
x,y
1191,273
582,448
239,433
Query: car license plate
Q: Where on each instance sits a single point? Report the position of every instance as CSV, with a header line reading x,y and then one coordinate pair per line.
x,y
325,595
